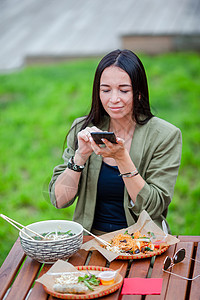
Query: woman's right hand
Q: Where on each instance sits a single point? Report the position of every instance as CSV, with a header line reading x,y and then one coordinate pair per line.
x,y
84,145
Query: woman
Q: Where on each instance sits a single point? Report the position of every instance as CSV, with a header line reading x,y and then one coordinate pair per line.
x,y
116,182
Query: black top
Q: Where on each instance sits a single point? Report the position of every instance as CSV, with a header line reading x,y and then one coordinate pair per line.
x,y
109,211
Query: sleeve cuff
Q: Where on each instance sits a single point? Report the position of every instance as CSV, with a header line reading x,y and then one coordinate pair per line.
x,y
143,194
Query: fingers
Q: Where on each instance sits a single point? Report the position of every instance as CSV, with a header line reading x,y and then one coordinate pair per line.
x,y
94,146
120,141
108,144
85,133
113,148
108,149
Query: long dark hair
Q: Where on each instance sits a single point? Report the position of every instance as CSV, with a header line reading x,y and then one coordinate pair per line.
x,y
132,65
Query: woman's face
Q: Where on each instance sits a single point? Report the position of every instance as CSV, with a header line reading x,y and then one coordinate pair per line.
x,y
116,93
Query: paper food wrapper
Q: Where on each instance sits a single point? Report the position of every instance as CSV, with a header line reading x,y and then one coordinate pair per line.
x,y
144,224
61,266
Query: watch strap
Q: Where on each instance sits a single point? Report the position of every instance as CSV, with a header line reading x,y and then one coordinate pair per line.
x,y
72,166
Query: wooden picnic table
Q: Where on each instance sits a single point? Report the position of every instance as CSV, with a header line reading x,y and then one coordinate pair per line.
x,y
18,273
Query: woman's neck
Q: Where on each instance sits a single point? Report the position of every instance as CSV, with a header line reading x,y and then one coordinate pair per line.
x,y
122,129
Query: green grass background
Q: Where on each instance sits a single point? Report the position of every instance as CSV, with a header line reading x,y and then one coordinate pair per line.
x,y
37,107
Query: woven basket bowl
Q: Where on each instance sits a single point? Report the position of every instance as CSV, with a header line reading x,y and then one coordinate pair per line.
x,y
50,251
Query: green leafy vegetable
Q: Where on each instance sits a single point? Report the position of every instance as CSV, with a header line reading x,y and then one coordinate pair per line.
x,y
148,249
89,280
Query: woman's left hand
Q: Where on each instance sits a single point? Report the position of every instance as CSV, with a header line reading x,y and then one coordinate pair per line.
x,y
110,150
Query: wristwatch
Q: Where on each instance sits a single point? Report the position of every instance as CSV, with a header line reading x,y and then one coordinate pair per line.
x,y
72,166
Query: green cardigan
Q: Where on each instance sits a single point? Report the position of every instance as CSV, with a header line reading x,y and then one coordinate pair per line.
x,y
156,152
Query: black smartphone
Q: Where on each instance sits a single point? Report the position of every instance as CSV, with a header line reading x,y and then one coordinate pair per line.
x,y
97,136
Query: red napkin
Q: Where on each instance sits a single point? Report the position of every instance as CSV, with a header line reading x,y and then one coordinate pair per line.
x,y
142,286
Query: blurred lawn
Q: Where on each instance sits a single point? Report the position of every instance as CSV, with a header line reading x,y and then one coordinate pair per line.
x,y
37,107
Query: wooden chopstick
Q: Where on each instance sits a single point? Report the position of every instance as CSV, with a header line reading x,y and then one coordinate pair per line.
x,y
97,238
4,217
13,222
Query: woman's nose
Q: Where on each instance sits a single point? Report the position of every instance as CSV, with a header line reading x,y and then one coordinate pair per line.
x,y
114,97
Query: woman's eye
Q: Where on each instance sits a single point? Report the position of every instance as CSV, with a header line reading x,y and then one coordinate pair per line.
x,y
105,91
122,91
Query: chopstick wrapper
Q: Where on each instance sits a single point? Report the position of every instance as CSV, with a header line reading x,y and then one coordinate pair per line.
x,y
144,224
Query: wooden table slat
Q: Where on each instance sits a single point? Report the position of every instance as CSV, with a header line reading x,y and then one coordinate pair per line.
x,y
79,258
38,292
177,287
195,284
158,273
10,267
24,280
97,259
189,238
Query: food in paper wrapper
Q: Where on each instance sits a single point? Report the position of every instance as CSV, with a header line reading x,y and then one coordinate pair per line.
x,y
75,288
133,243
149,231
71,288
69,284
74,283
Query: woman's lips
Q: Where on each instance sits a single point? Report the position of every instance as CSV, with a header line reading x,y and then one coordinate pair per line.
x,y
116,108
